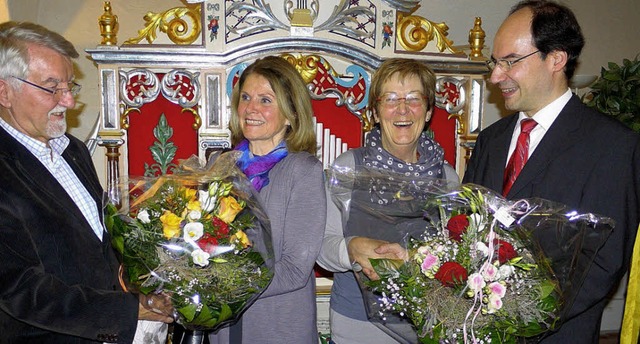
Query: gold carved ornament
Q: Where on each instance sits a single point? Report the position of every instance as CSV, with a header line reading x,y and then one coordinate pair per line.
x,y
307,66
415,32
459,117
124,118
172,23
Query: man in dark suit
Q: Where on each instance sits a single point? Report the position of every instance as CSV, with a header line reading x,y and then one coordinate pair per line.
x,y
58,272
576,156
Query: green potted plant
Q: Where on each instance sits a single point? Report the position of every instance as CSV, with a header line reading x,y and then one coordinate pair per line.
x,y
617,92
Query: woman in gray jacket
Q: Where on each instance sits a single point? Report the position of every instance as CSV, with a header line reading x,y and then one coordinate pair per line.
x,y
272,126
402,99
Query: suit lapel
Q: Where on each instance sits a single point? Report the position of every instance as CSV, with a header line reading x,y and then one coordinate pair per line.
x,y
40,180
563,134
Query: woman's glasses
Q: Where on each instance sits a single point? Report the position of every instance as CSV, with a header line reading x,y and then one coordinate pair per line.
x,y
392,100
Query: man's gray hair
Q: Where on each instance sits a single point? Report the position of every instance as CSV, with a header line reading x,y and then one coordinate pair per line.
x,y
14,38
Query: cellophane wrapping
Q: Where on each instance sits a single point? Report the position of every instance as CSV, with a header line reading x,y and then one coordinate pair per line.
x,y
199,235
479,268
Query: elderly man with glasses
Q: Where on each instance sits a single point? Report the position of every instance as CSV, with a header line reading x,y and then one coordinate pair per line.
x,y
554,147
59,273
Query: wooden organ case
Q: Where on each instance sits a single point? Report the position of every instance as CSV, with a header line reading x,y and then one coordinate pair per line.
x,y
166,93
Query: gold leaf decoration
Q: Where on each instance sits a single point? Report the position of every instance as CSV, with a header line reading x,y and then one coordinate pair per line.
x,y
415,32
173,23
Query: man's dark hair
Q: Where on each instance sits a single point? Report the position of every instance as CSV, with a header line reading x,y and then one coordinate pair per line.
x,y
554,27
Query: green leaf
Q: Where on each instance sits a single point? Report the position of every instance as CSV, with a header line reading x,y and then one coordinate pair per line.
x,y
188,312
386,267
617,92
225,312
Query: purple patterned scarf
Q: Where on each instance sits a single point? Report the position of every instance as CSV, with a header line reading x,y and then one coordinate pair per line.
x,y
257,167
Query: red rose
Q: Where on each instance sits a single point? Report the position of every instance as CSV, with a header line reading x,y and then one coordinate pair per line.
x,y
221,227
207,242
457,225
451,273
504,250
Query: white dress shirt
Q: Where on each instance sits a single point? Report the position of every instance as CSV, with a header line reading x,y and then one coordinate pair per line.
x,y
545,118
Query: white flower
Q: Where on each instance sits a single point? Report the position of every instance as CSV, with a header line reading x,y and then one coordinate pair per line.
x,y
206,202
475,282
143,216
193,231
423,249
482,248
475,221
506,270
194,215
200,257
494,304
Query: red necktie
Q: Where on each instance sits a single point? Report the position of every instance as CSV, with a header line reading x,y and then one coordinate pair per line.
x,y
519,156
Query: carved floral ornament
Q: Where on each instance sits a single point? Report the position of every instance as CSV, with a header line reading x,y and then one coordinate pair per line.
x,y
356,20
141,86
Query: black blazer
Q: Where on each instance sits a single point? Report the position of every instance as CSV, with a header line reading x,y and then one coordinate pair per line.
x,y
591,163
58,281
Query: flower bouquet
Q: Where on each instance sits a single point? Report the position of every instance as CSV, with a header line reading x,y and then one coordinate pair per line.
x,y
481,268
200,236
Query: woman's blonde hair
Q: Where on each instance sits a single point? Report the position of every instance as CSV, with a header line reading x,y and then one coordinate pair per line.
x,y
404,68
294,102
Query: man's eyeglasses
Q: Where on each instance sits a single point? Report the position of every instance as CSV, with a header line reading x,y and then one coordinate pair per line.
x,y
506,65
56,93
392,101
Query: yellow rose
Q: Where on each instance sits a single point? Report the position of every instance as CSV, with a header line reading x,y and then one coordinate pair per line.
x,y
194,204
241,237
190,193
170,224
229,208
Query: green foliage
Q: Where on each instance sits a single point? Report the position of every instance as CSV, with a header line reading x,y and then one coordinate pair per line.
x,y
617,92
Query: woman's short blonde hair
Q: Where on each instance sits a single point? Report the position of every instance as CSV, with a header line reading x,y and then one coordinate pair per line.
x,y
404,68
294,102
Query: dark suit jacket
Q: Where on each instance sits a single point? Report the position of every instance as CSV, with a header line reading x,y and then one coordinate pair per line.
x,y
586,161
58,281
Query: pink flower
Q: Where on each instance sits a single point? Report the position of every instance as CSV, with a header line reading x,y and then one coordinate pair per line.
x,y
476,282
489,272
496,288
430,263
494,304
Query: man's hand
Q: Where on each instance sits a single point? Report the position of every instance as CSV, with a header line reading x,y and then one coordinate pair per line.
x,y
155,307
393,251
361,249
